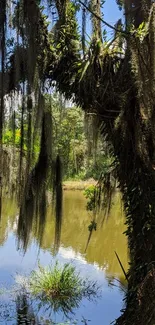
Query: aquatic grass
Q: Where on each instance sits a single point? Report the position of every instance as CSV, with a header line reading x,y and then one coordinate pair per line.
x,y
61,288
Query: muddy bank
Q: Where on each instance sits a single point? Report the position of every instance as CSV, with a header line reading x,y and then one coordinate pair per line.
x,y
78,185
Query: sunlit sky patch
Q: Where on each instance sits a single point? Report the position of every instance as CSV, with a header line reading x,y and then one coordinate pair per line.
x,y
111,14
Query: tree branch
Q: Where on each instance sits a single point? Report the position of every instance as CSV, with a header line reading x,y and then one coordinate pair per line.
x,y
102,20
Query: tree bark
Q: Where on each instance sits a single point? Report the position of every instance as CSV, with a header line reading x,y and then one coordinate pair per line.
x,y
136,177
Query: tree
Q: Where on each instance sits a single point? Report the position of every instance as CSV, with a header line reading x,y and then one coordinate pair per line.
x,y
68,134
77,140
119,88
113,80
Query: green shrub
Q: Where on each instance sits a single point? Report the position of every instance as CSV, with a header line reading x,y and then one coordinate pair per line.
x,y
89,193
61,288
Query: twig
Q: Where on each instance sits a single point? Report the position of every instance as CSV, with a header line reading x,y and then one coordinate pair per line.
x,y
121,265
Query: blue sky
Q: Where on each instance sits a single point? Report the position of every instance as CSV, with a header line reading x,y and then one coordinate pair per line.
x,y
111,15
111,11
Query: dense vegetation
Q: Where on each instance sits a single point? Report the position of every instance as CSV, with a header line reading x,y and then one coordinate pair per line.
x,y
113,80
83,153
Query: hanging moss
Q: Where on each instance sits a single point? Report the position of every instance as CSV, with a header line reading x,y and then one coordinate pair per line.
x,y
3,5
33,199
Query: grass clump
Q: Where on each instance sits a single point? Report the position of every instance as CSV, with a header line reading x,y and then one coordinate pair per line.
x,y
61,288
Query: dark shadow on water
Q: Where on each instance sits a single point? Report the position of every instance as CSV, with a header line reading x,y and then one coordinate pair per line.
x,y
25,313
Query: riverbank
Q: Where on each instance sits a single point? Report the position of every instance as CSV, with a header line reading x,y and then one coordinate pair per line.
x,y
78,185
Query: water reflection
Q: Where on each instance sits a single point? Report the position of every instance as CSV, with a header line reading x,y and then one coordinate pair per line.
x,y
25,313
8,220
104,242
98,263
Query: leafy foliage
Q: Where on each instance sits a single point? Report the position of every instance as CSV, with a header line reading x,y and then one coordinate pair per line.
x,y
90,195
82,152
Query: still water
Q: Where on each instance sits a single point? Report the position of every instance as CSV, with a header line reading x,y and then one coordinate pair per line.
x,y
99,262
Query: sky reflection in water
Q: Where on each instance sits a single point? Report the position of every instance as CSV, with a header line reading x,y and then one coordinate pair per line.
x,y
99,263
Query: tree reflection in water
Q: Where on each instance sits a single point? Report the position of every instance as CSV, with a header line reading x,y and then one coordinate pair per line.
x,y
25,313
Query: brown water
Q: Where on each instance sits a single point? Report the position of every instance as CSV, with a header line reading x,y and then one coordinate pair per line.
x,y
99,262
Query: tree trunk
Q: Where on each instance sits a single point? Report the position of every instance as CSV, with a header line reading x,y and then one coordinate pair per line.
x,y
136,177
122,96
